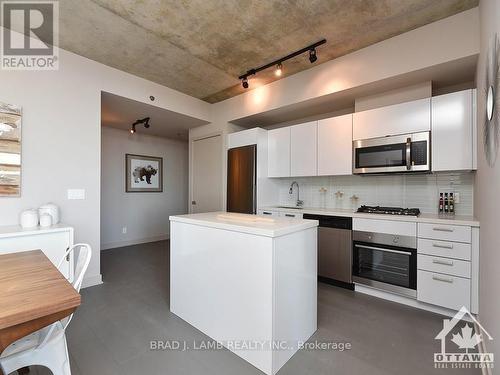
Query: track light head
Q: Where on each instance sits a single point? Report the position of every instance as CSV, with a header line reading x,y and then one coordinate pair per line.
x,y
279,70
244,83
312,55
132,129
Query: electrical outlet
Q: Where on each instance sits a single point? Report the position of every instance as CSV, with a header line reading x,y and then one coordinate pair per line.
x,y
124,230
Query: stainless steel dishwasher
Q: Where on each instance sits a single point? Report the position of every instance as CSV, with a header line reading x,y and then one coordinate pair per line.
x,y
334,249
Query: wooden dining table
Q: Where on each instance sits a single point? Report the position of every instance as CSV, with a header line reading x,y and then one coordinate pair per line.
x,y
33,295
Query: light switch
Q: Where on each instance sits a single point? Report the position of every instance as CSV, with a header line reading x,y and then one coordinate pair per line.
x,y
76,193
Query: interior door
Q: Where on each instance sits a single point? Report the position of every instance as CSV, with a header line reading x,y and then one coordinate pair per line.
x,y
207,175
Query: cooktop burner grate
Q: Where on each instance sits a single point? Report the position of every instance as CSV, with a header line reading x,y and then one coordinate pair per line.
x,y
389,210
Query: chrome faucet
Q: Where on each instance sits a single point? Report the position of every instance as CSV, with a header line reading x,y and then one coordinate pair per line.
x,y
299,203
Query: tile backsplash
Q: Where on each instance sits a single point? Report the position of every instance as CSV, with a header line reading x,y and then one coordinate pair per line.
x,y
419,190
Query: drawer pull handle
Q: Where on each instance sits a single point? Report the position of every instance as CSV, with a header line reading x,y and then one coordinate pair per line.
x,y
289,215
266,213
443,262
443,279
439,229
442,246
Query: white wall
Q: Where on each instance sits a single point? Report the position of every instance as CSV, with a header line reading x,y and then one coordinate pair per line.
x,y
62,134
145,215
487,194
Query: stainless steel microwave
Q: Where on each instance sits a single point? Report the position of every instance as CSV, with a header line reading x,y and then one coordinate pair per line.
x,y
396,154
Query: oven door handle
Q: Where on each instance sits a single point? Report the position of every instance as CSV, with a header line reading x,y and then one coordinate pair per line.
x,y
386,250
408,154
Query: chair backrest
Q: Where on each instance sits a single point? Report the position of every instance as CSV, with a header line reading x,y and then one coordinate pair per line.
x,y
82,263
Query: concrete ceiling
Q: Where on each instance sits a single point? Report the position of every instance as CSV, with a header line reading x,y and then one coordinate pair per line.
x,y
120,113
200,47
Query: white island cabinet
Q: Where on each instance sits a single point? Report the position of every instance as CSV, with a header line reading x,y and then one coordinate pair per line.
x,y
249,282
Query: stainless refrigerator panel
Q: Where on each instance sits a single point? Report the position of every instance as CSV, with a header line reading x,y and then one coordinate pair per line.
x,y
241,179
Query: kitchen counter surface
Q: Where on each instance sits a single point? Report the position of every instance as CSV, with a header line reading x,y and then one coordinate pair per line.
x,y
252,224
422,218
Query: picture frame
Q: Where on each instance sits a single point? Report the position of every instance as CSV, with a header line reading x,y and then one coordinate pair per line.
x,y
143,174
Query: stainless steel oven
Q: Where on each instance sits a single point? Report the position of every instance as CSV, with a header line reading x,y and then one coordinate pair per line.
x,y
385,261
398,153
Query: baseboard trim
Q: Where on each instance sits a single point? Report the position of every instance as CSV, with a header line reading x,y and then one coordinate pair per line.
x,y
405,301
91,281
114,245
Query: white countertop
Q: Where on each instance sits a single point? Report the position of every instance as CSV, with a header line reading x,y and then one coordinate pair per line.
x,y
252,224
422,218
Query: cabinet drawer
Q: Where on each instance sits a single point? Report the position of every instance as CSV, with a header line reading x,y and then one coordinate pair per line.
x,y
268,213
445,249
291,215
444,265
443,290
445,232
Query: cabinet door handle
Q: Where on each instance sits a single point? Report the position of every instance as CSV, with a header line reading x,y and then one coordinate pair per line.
x,y
67,256
266,213
443,262
450,246
439,229
289,215
443,279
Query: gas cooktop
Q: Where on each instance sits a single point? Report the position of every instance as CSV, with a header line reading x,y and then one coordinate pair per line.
x,y
389,210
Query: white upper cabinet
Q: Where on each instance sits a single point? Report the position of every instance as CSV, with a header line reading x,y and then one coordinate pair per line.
x,y
404,118
453,131
304,145
335,146
278,157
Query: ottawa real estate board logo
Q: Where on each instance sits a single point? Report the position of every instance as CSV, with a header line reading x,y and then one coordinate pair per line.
x,y
29,37
463,343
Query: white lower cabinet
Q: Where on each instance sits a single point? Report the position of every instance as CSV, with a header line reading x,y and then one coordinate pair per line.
x,y
268,213
291,215
443,290
52,241
447,266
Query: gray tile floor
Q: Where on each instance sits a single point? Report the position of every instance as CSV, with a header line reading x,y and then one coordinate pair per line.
x,y
112,330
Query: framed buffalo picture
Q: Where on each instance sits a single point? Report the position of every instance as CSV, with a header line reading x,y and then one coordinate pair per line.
x,y
143,174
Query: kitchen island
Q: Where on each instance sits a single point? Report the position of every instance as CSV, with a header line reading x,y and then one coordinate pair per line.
x,y
248,282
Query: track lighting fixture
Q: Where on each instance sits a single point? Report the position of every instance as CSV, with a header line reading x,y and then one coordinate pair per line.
x,y
279,70
312,55
278,63
144,121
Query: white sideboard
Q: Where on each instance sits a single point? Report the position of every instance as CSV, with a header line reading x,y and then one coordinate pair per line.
x,y
53,241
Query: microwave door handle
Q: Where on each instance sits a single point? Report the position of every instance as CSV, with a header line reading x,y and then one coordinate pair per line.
x,y
408,154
